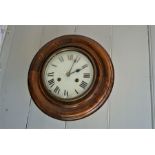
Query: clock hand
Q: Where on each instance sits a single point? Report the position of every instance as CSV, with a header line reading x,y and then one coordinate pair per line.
x,y
68,73
77,70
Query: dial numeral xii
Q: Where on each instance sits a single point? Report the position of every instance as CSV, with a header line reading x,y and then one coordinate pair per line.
x,y
70,57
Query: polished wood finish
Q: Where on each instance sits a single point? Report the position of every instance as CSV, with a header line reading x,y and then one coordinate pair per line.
x,y
84,106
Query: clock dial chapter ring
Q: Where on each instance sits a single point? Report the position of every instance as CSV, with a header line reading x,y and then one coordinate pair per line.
x,y
69,100
84,105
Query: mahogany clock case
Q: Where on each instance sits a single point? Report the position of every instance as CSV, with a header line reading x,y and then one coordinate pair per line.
x,y
89,103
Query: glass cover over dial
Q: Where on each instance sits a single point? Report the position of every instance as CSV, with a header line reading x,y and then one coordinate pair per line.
x,y
68,74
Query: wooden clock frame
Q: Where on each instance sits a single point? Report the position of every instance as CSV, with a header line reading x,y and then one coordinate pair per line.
x,y
84,106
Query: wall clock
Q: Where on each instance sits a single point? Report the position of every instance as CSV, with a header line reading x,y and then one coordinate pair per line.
x,y
70,77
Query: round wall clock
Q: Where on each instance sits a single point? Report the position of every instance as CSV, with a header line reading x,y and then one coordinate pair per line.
x,y
70,77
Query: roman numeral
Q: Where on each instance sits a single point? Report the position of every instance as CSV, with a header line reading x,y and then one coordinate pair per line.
x,y
57,90
70,57
76,91
65,93
77,59
51,74
83,84
61,59
86,75
54,65
84,66
51,82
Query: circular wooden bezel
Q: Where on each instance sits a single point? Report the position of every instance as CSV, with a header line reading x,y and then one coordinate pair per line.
x,y
96,96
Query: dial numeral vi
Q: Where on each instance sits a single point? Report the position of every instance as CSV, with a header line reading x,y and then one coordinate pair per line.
x,y
65,93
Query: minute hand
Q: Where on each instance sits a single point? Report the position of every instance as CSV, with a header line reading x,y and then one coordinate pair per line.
x,y
72,67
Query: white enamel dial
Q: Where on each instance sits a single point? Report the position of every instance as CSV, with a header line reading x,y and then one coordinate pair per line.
x,y
68,74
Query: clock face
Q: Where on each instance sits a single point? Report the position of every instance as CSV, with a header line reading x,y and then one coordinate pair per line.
x,y
68,74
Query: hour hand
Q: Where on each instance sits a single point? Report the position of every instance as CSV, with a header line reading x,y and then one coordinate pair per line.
x,y
79,69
